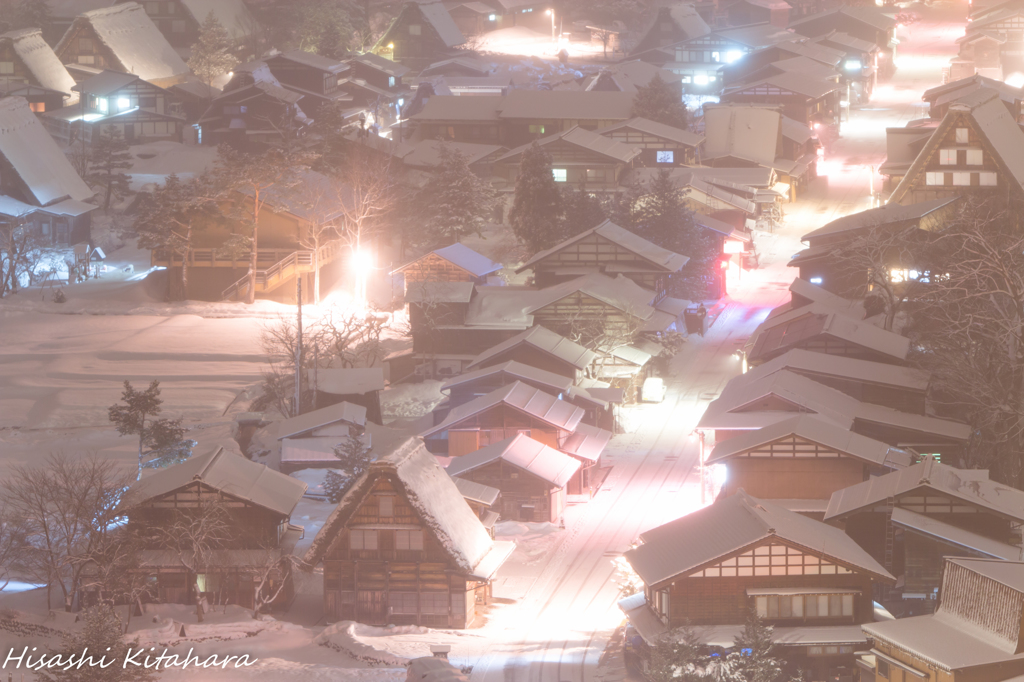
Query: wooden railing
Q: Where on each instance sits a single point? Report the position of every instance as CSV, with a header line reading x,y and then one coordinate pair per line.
x,y
295,263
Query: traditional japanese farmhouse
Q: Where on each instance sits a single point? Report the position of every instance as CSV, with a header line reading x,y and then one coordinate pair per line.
x,y
357,385
421,34
910,519
976,149
673,24
973,636
708,569
179,20
257,503
39,188
137,110
660,146
531,476
803,293
313,76
454,263
122,38
31,70
63,13
403,547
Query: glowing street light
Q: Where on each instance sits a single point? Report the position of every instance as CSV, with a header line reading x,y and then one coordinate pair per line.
x,y
551,13
362,263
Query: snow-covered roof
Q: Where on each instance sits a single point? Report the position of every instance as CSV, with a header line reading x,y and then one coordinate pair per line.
x,y
802,289
584,139
40,60
436,501
812,365
35,156
732,524
555,383
645,125
545,340
229,473
11,207
313,60
233,15
950,534
587,442
756,36
469,260
793,81
438,17
619,292
661,258
522,397
886,214
522,452
476,492
971,83
347,380
820,431
454,108
969,485
134,40
795,130
565,104
745,131
374,61
306,423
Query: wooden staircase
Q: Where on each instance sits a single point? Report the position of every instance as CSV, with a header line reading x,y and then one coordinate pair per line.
x,y
292,265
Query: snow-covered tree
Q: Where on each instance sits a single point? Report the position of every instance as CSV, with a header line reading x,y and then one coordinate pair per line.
x,y
455,202
211,55
658,102
537,203
19,253
679,657
581,211
324,27
136,415
102,636
108,160
755,656
194,535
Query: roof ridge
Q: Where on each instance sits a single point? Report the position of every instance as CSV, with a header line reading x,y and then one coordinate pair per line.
x,y
215,457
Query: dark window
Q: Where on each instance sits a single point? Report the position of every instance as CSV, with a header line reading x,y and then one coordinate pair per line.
x,y
147,101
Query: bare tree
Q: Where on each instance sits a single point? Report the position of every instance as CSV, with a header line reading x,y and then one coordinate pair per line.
x,y
271,569
367,196
19,250
321,227
195,535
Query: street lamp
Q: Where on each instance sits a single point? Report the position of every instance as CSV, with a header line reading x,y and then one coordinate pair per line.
x,y
362,263
551,13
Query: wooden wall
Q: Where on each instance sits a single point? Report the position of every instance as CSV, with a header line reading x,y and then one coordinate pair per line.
x,y
800,478
518,488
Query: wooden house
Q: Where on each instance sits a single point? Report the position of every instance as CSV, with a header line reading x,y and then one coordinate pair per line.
x,y
698,60
122,38
384,74
26,60
630,75
710,568
660,146
993,42
307,441
403,547
39,188
531,476
586,445
527,115
745,12
910,519
859,65
482,499
421,34
758,60
803,98
803,293
471,385
257,503
744,407
863,22
967,153
941,96
975,635
461,119
579,158
179,20
673,24
313,76
611,250
139,111
424,158
454,263
502,413
802,458
463,66
541,348
356,385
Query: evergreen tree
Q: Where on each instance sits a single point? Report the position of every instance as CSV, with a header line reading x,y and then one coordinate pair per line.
x,y
211,55
108,161
137,417
101,637
755,652
455,202
324,27
581,211
537,204
31,14
658,102
679,657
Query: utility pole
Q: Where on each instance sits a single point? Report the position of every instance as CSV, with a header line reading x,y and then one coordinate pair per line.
x,y
298,347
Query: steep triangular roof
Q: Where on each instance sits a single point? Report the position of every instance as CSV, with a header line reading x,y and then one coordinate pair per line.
x,y
524,453
733,524
461,256
41,61
524,398
528,373
310,421
436,16
545,340
886,214
662,259
646,125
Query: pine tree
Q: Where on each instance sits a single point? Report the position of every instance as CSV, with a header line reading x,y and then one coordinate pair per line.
x,y
657,101
137,417
455,202
102,636
755,652
109,158
679,657
324,27
581,211
537,204
211,55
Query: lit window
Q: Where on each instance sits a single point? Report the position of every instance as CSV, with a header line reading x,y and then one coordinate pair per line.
x,y
414,29
391,81
852,65
687,79
732,56
559,174
947,157
86,59
492,17
665,157
987,179
101,104
935,178
974,157
816,280
701,79
715,57
537,130
123,103
6,67
962,179
962,136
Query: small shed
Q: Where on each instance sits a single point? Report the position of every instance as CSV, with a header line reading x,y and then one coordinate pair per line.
x,y
455,263
356,385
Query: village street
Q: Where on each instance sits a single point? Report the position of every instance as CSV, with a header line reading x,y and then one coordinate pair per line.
x,y
569,613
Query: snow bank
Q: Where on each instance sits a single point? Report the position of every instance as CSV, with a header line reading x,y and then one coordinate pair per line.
x,y
278,670
394,645
410,401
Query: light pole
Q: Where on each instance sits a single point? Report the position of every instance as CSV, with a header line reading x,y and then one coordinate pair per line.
x,y
551,13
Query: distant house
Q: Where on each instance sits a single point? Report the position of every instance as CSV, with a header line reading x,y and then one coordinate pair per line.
x,y
179,20
403,547
113,101
698,60
629,75
542,348
421,34
315,77
531,476
673,24
39,188
969,152
482,499
26,60
661,146
941,96
459,67
859,65
974,635
992,42
805,98
63,13
258,503
745,12
866,23
780,54
122,38
527,115
454,263
357,385
383,74
710,568
309,440
461,119
480,382
912,518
